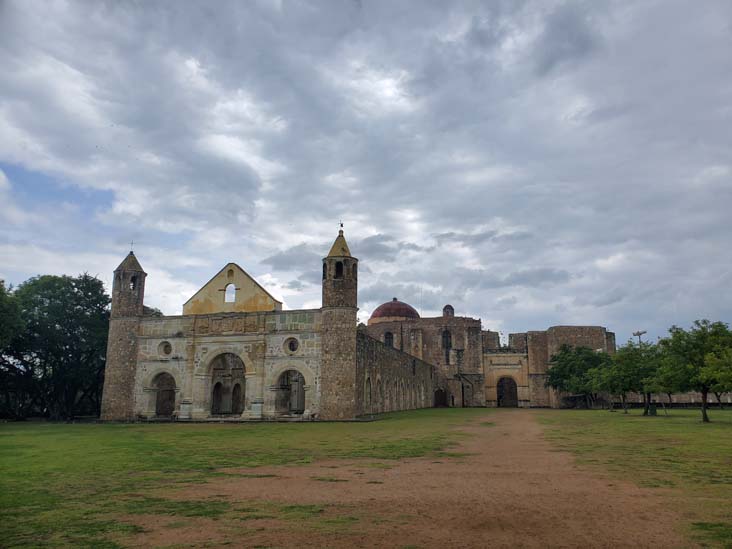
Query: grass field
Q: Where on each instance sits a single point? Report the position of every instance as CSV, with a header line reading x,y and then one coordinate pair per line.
x,y
66,484
692,460
69,485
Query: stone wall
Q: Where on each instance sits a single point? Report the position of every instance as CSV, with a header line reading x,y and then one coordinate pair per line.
x,y
460,370
593,337
338,363
118,394
185,347
491,340
518,342
389,379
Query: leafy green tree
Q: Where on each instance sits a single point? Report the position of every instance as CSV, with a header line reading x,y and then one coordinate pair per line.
x,y
61,351
617,377
717,371
634,367
668,378
603,380
699,356
570,371
11,322
13,390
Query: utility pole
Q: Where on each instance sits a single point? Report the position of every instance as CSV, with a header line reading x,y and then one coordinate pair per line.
x,y
639,333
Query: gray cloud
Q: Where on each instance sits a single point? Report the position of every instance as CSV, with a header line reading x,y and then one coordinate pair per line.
x,y
567,36
576,156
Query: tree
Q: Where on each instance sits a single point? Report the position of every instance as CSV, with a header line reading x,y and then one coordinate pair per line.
x,y
615,379
668,378
717,371
13,394
11,322
570,371
699,356
634,366
62,349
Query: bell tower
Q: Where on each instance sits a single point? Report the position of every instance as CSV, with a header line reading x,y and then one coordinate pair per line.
x,y
128,292
338,336
340,275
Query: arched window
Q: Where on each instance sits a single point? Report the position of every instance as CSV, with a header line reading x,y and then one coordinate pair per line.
x,y
339,269
388,339
133,283
230,293
325,271
354,271
447,344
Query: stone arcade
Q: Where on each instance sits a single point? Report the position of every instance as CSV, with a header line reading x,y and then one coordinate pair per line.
x,y
234,354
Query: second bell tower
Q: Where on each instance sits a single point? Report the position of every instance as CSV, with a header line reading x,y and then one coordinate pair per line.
x,y
340,275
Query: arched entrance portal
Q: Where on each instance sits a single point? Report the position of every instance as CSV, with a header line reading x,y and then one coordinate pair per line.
x,y
440,398
164,386
290,399
228,382
507,393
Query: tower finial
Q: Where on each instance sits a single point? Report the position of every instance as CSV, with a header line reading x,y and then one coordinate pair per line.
x,y
132,246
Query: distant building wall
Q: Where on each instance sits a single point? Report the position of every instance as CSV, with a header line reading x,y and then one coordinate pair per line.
x,y
390,380
459,369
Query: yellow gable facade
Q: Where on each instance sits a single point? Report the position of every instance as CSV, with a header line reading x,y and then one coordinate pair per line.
x,y
232,290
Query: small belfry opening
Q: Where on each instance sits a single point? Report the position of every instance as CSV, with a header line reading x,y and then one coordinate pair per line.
x,y
290,394
230,293
339,269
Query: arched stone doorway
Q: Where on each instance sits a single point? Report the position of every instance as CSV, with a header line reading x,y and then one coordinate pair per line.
x,y
229,385
164,386
507,393
440,398
290,398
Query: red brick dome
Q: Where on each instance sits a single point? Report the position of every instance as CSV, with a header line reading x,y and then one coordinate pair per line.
x,y
394,309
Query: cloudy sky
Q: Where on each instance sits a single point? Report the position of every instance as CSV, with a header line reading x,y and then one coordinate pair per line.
x,y
531,163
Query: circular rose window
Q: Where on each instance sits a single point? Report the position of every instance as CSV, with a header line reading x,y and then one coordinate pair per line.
x,y
165,348
292,345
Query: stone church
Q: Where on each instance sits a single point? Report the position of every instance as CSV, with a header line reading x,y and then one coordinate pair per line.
x,y
235,355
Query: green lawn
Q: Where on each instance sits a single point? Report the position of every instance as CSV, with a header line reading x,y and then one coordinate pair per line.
x,y
691,460
65,484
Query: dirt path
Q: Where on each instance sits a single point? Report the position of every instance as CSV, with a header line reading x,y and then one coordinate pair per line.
x,y
511,490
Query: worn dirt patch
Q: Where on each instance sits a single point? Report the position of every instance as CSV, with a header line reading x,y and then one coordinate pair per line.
x,y
504,486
